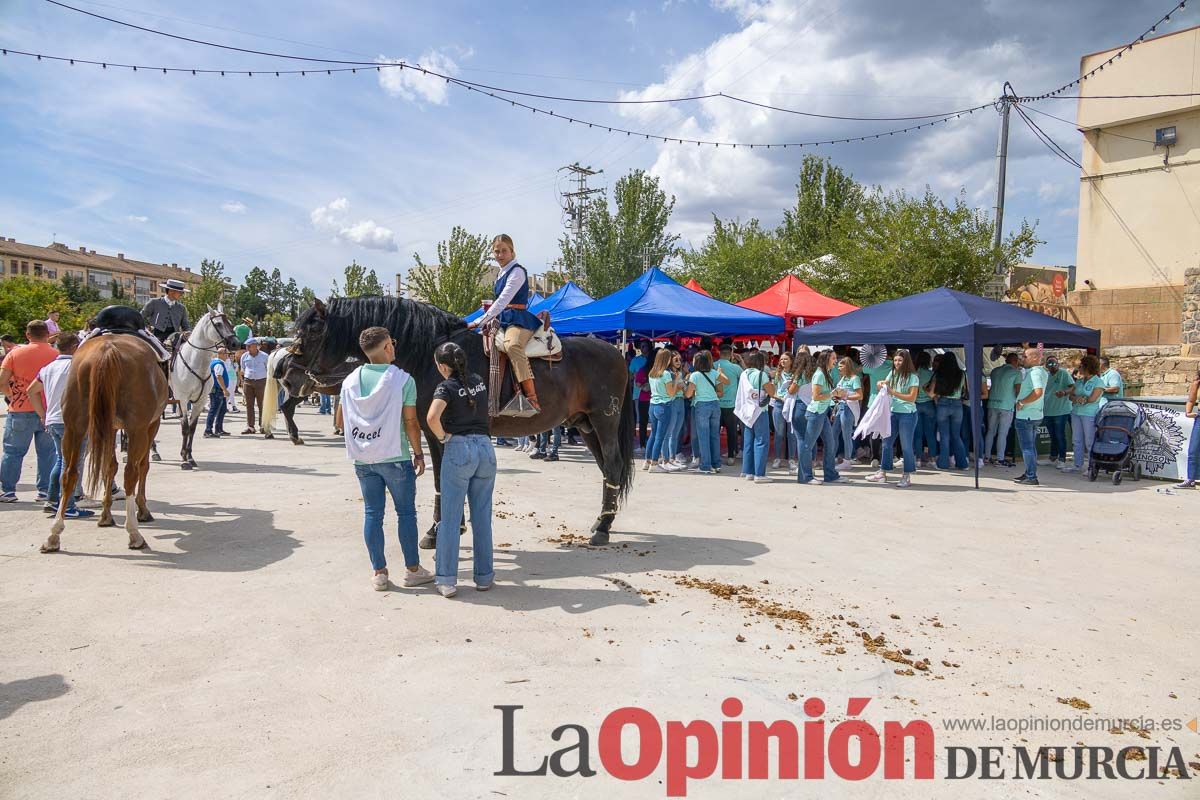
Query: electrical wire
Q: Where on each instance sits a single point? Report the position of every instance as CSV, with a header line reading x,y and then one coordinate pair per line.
x,y
1097,130
1045,138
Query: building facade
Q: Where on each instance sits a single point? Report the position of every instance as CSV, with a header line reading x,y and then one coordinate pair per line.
x,y
137,279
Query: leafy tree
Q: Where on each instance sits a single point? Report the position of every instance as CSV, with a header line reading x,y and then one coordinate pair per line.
x,y
826,196
116,290
291,298
79,292
26,299
307,298
273,293
250,297
617,245
209,292
456,283
897,245
358,282
736,261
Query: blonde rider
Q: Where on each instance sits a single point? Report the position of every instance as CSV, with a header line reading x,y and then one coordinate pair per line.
x,y
517,324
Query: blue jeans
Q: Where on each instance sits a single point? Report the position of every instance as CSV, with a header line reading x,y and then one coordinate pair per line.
x,y
660,423
326,406
1193,458
949,423
21,428
376,481
843,425
998,423
1057,425
707,416
816,426
783,432
926,429
904,425
804,472
54,492
1083,431
217,405
756,447
674,427
468,473
543,440
1027,437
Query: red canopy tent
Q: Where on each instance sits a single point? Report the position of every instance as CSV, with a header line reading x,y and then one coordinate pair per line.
x,y
695,287
793,299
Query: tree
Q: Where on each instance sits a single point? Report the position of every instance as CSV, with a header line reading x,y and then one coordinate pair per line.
x,y
291,298
273,293
736,261
26,299
617,246
826,196
250,297
456,283
209,292
358,282
79,292
897,245
307,298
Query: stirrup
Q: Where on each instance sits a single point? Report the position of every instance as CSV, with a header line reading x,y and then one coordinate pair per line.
x,y
519,406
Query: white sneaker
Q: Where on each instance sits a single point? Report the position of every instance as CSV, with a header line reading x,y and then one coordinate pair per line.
x,y
794,465
904,482
747,477
380,582
843,464
695,461
674,467
659,468
775,464
1044,462
875,463
646,466
762,479
118,494
446,590
1070,468
877,477
420,576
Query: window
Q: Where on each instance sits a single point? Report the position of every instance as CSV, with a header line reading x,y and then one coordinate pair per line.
x,y
12,267
24,267
52,274
37,269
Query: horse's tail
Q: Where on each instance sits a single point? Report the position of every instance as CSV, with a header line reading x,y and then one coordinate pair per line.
x,y
271,401
105,388
625,446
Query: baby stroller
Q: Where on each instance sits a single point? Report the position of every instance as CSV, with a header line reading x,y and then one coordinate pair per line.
x,y
1117,424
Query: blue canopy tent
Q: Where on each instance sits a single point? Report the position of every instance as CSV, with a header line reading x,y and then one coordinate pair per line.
x,y
655,305
946,318
566,298
534,299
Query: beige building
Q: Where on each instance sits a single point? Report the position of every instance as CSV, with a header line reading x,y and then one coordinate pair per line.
x,y
137,279
1139,194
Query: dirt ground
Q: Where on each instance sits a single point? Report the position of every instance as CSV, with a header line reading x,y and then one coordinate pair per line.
x,y
244,654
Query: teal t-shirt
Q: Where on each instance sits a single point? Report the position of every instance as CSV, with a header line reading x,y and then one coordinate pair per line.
x,y
1112,378
820,406
758,378
733,372
1002,394
874,375
371,373
781,388
851,383
1085,389
1059,381
1035,378
924,376
902,406
658,388
835,375
705,383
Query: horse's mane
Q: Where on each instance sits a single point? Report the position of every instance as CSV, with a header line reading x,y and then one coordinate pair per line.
x,y
417,327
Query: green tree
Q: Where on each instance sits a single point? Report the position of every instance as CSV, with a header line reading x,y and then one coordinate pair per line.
x,y
209,292
897,245
736,261
456,283
79,292
358,282
26,299
617,244
826,196
250,297
307,298
291,298
273,294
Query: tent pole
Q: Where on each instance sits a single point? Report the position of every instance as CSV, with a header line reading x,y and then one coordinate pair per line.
x,y
974,387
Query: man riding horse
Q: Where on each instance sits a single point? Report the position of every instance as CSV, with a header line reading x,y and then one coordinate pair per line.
x,y
167,315
511,309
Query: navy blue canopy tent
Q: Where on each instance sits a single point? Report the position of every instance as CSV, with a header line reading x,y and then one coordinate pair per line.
x,y
562,301
655,305
946,318
534,298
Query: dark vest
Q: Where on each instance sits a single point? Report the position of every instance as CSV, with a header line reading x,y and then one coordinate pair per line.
x,y
516,316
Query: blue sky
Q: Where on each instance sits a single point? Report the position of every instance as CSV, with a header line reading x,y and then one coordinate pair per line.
x,y
309,173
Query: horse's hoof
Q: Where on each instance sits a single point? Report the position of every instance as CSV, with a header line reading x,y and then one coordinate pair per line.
x,y
186,465
297,441
137,544
147,517
599,538
428,542
268,435
155,457
49,548
105,523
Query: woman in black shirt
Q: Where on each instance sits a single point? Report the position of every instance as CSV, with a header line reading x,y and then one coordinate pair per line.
x,y
458,417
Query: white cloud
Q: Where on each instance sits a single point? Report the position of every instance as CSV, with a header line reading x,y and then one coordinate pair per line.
x,y
332,217
137,218
234,207
409,83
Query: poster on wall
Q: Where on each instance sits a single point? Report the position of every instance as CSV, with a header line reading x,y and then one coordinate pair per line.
x,y
1161,444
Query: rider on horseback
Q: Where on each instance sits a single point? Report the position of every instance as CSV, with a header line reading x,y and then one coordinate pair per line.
x,y
517,324
167,315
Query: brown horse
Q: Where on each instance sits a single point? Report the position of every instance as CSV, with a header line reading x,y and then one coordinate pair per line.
x,y
115,382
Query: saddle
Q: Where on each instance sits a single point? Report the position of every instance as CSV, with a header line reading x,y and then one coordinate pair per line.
x,y
544,345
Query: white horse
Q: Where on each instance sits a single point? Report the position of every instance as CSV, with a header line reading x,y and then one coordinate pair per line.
x,y
190,375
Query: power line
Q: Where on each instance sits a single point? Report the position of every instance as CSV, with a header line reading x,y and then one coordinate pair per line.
x,y
1097,130
1045,139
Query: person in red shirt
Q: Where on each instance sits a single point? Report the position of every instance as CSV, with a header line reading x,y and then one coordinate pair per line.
x,y
22,426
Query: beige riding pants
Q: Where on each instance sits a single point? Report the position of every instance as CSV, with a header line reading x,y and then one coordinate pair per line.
x,y
515,339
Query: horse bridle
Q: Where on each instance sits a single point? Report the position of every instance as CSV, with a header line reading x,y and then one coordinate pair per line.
x,y
188,341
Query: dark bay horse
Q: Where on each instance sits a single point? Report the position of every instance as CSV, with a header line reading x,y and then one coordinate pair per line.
x,y
588,389
115,382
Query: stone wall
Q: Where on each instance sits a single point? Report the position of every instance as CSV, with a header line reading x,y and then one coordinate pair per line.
x,y
1142,316
1149,371
1191,313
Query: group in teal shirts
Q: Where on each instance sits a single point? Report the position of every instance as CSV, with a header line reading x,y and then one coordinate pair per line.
x,y
902,384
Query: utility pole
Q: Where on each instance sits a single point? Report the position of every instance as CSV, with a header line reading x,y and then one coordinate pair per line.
x,y
997,285
574,204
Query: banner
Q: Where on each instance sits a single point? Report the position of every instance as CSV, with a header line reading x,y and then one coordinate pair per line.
x,y
1161,445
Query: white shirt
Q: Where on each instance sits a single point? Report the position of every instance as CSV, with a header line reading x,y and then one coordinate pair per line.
x,y
374,425
515,277
54,382
254,367
232,373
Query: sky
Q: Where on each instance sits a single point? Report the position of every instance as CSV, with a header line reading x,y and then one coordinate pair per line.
x,y
308,173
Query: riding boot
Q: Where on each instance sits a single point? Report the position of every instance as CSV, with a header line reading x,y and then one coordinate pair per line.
x,y
530,394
